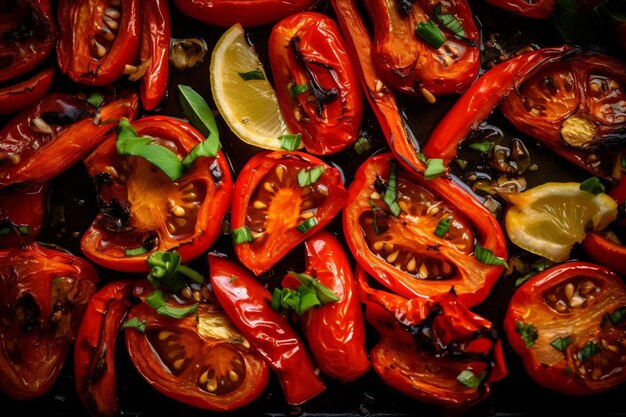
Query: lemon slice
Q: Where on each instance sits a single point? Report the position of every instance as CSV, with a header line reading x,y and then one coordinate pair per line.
x,y
547,220
250,108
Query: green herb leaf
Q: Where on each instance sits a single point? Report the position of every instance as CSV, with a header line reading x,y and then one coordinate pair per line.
x,y
257,74
536,267
623,161
290,142
201,117
134,323
135,251
362,145
242,235
325,294
561,343
308,299
462,163
310,293
129,144
450,22
374,208
592,185
487,257
95,99
167,271
469,379
156,300
482,147
21,229
616,317
434,168
528,333
297,89
430,33
589,350
233,279
310,176
443,227
390,192
307,225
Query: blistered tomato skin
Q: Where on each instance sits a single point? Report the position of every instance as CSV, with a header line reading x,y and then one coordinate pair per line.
x,y
566,324
308,53
19,96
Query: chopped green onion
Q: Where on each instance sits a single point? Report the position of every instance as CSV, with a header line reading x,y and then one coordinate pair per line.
x,y
297,89
462,163
233,279
538,266
469,379
290,142
450,22
622,161
374,207
325,294
95,99
430,33
156,300
483,147
134,323
362,145
390,192
589,350
561,343
242,235
135,251
486,256
167,271
310,176
22,229
257,74
201,117
310,293
307,225
443,227
592,185
434,168
616,317
528,333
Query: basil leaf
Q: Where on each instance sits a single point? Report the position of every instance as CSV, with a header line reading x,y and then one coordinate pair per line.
x,y
290,142
589,350
297,89
528,333
201,117
310,176
434,168
592,185
134,323
483,147
469,379
450,22
561,343
307,225
486,256
430,33
256,74
443,227
308,299
242,235
390,192
325,294
95,99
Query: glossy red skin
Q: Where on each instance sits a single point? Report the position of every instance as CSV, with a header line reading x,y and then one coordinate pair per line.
x,y
261,256
79,21
60,284
322,49
155,45
149,197
94,354
247,303
472,280
541,9
19,96
481,98
23,207
335,332
604,109
248,13
403,364
42,155
20,57
198,347
406,62
584,324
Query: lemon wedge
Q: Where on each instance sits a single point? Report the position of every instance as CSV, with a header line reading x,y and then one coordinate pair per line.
x,y
547,220
243,95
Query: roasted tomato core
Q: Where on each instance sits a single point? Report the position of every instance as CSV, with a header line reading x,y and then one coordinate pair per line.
x,y
602,357
551,94
106,22
608,100
398,240
225,370
576,293
175,347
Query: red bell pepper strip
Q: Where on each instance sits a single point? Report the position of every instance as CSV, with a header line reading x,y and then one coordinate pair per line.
x,y
155,46
247,303
19,96
481,98
541,9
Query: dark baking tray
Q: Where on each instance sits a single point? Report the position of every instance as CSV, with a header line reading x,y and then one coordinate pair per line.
x,y
72,207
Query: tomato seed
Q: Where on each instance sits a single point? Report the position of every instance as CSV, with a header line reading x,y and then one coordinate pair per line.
x,y
211,386
15,159
164,335
411,265
280,170
204,378
375,196
259,205
430,97
393,256
268,187
388,246
232,375
112,13
423,272
112,24
378,245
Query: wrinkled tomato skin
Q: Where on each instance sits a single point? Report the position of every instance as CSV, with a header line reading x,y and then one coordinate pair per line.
x,y
586,323
471,279
43,293
279,215
29,34
248,13
191,339
155,45
541,9
307,49
22,207
335,332
152,199
94,353
19,96
247,303
83,22
29,156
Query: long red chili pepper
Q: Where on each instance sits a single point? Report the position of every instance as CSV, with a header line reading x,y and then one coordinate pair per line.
x,y
155,45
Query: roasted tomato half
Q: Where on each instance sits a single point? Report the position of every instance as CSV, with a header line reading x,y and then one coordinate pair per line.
x,y
569,325
540,9
43,293
21,95
203,361
404,252
42,141
435,350
22,213
281,199
27,35
576,107
407,62
317,88
98,39
142,210
94,354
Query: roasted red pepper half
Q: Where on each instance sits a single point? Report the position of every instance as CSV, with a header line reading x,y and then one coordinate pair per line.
x,y
98,39
481,98
568,324
247,12
22,212
435,350
202,360
43,293
280,201
142,210
46,139
94,354
576,107
247,303
432,245
317,88
541,9
28,35
411,64
334,332
155,48
21,95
